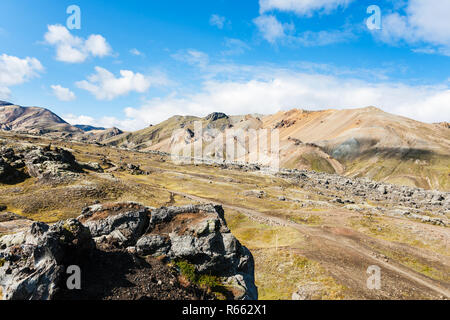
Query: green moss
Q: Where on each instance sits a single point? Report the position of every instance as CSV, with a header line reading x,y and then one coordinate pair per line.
x,y
207,282
187,270
72,228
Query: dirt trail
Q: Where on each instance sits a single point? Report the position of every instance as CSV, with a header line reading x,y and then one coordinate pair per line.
x,y
350,249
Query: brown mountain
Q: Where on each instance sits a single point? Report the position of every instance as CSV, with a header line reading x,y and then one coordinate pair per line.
x,y
366,142
32,120
36,120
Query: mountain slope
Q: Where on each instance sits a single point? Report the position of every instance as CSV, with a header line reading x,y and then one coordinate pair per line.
x,y
371,143
32,120
36,120
88,128
159,137
366,142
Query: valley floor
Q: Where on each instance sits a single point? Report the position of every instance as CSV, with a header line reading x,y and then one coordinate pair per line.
x,y
303,240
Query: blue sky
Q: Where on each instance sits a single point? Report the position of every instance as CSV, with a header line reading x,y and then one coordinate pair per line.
x,y
135,63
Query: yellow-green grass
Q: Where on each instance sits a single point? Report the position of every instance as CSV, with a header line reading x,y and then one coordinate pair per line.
x,y
382,228
280,272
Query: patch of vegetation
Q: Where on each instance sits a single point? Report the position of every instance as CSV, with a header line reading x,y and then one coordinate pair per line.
x,y
255,235
210,283
279,273
308,219
416,169
318,164
416,265
387,230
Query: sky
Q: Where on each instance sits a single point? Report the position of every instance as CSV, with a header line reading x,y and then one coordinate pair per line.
x,y
134,63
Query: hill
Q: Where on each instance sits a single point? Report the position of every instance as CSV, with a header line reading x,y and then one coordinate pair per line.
x,y
366,142
41,121
32,120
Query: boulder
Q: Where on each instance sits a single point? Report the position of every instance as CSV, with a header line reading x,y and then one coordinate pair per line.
x,y
51,165
121,223
199,235
33,269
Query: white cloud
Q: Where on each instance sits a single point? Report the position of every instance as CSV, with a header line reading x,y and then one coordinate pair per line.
x,y
63,94
105,122
15,71
322,38
302,7
282,90
97,46
74,119
218,21
242,89
274,31
192,57
135,52
270,28
425,22
105,86
74,49
235,47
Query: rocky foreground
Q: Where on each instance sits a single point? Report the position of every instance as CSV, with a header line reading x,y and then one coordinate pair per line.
x,y
129,251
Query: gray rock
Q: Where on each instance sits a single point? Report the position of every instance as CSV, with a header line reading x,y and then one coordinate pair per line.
x,y
200,237
126,228
153,245
33,271
207,243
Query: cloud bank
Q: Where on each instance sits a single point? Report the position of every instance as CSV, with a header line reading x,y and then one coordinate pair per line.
x,y
270,90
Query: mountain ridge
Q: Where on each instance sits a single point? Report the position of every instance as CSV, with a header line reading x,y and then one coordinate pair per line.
x,y
363,142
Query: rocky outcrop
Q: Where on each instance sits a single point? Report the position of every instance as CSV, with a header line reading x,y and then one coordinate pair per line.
x,y
33,269
216,116
47,164
10,165
386,199
197,234
33,263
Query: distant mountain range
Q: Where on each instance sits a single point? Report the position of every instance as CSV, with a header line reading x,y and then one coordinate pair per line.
x,y
32,120
88,128
36,120
366,142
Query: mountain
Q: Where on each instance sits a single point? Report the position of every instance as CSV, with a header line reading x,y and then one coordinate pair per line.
x,y
100,134
444,124
365,142
32,120
36,120
159,137
88,128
